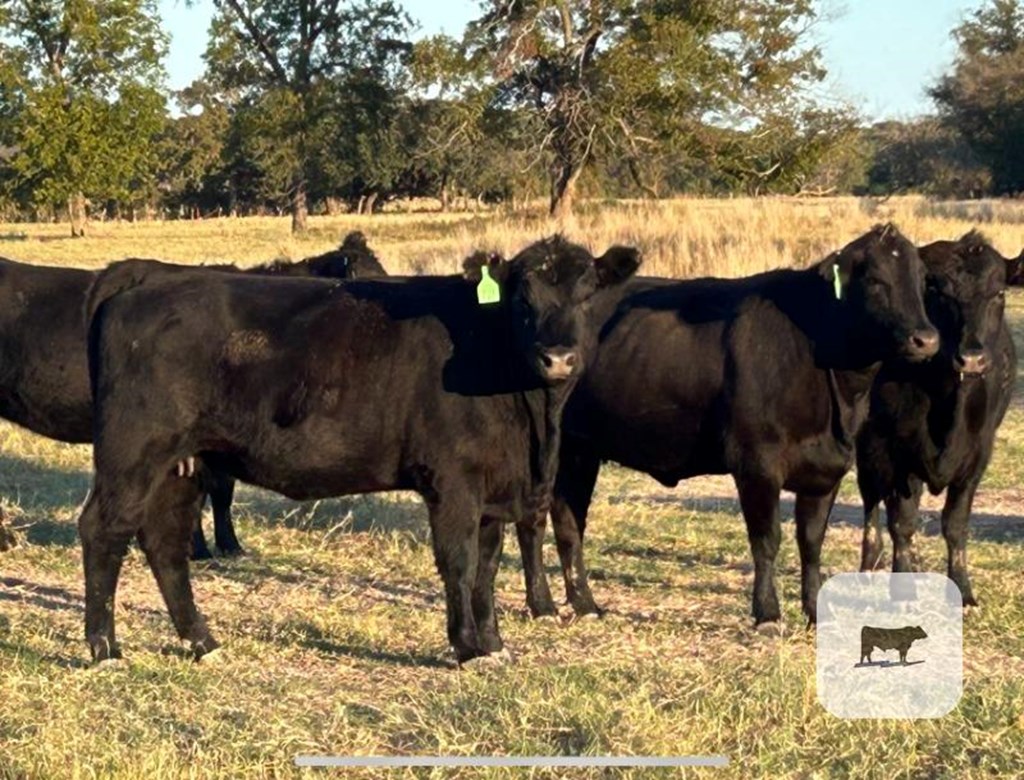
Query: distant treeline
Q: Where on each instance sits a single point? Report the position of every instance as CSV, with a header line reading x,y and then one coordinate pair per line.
x,y
329,105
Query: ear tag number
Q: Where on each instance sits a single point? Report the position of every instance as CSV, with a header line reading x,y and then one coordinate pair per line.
x,y
487,291
837,282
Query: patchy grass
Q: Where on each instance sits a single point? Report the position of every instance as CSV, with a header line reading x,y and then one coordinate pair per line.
x,y
334,621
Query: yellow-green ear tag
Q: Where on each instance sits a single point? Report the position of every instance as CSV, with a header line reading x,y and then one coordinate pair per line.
x,y
488,290
837,282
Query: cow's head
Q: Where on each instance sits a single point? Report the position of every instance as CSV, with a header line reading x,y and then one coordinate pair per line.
x,y
965,299
545,290
918,633
352,260
879,277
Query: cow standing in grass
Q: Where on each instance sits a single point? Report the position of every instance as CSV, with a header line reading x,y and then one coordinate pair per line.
x,y
44,376
765,378
449,386
935,424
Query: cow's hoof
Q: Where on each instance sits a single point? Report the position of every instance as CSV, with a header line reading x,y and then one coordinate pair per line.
x,y
215,657
972,609
108,664
493,660
231,552
202,555
547,618
769,628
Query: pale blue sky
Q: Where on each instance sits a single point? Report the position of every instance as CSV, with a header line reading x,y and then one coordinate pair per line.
x,y
880,54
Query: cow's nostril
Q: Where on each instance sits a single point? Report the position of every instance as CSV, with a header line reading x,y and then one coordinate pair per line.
x,y
545,358
925,341
570,359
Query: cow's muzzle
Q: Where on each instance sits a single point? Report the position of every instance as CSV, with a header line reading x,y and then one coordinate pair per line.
x,y
557,364
922,344
971,362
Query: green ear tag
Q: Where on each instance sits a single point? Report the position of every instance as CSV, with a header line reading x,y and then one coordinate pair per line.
x,y
837,282
488,290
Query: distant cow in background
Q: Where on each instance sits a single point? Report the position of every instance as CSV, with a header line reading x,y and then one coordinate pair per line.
x,y
765,378
934,424
899,639
44,377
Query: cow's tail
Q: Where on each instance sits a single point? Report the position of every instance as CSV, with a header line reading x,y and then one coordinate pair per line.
x,y
116,278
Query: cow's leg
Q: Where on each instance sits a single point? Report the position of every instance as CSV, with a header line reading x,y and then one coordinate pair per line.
x,y
956,515
811,522
222,493
574,488
200,550
455,529
164,537
531,546
872,546
901,513
492,533
759,499
105,539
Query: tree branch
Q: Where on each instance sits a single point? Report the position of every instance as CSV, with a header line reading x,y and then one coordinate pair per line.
x,y
257,37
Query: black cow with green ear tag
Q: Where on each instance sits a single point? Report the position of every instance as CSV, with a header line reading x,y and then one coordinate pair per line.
x,y
314,388
765,378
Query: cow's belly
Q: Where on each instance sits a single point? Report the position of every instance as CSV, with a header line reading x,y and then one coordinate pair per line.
x,y
814,467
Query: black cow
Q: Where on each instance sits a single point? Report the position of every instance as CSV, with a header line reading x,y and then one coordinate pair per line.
x,y
898,639
314,389
765,378
935,424
44,377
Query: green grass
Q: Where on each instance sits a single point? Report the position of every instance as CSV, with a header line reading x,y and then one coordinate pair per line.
x,y
333,627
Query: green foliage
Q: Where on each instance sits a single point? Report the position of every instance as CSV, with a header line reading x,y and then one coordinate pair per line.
x,y
925,156
83,83
983,98
612,81
307,74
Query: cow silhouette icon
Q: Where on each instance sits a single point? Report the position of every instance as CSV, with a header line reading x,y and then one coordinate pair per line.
x,y
899,639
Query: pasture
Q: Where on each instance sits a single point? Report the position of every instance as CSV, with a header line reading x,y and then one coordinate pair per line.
x,y
333,622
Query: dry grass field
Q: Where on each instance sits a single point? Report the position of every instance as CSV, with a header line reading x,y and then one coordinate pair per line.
x,y
334,620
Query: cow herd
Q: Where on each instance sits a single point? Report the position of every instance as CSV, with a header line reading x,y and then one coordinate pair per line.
x,y
497,393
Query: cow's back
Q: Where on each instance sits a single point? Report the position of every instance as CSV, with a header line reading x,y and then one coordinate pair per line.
x,y
692,377
44,384
298,382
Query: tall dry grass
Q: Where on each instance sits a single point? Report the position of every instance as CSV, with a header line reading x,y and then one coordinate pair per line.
x,y
681,238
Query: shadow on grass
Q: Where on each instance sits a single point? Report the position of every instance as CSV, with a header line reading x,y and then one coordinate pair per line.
x,y
374,512
60,661
313,638
44,596
985,526
41,491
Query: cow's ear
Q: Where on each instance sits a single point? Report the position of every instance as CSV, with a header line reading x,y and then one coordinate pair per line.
x,y
497,266
617,265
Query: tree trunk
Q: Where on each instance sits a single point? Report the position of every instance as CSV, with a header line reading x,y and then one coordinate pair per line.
x,y
299,205
563,190
77,214
369,203
443,195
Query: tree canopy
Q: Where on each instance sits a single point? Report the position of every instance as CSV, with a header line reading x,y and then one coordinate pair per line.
x,y
321,105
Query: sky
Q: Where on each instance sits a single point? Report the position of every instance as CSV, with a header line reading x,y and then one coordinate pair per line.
x,y
880,54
